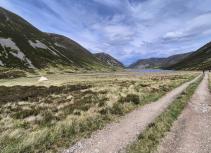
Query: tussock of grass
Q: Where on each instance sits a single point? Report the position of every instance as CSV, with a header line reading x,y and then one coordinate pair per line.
x,y
148,141
130,98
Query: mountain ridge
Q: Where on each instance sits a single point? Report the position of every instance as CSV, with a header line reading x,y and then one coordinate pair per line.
x,y
109,60
26,47
198,60
158,62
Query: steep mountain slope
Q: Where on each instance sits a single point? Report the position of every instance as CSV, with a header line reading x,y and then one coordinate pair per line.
x,y
109,60
24,46
199,60
158,62
147,63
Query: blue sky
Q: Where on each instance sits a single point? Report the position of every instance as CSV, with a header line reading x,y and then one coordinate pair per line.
x,y
126,29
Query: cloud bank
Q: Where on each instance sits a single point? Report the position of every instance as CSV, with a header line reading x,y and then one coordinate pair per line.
x,y
126,29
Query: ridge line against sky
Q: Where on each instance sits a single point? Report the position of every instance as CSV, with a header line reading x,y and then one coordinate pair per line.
x,y
126,29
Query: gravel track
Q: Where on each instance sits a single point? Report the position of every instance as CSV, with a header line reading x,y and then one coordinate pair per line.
x,y
116,136
191,133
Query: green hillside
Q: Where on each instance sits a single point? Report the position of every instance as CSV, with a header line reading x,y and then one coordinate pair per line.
x,y
152,63
198,60
24,46
109,60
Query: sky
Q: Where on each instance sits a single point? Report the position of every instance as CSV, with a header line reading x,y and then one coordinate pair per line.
x,y
126,29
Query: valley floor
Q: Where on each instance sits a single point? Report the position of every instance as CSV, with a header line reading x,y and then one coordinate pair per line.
x,y
52,115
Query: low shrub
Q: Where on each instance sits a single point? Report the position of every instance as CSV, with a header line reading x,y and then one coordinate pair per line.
x,y
12,74
24,93
117,109
21,114
130,98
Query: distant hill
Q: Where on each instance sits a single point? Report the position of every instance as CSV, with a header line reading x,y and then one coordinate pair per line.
x,y
158,62
24,46
109,60
198,60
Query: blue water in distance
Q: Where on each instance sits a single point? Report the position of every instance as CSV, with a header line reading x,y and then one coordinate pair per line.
x,y
149,70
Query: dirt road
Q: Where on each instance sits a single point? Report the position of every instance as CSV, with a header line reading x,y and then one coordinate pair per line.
x,y
114,137
191,133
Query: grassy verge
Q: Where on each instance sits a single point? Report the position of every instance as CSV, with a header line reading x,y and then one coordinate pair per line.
x,y
209,81
149,140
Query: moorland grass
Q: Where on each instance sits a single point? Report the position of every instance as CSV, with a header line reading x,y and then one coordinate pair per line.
x,y
11,73
56,117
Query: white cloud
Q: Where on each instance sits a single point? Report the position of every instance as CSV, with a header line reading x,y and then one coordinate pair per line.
x,y
199,25
174,34
110,3
118,32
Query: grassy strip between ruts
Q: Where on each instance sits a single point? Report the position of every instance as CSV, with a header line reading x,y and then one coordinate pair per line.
x,y
149,140
209,79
